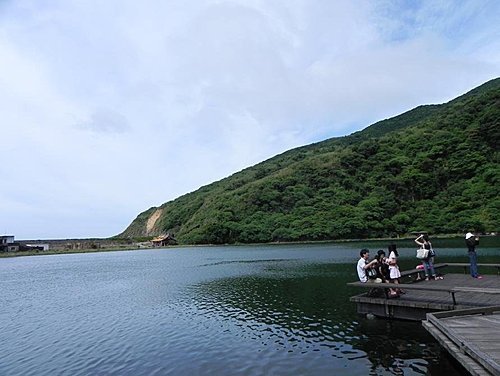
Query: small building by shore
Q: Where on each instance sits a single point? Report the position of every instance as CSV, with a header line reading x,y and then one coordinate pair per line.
x,y
39,246
8,244
163,241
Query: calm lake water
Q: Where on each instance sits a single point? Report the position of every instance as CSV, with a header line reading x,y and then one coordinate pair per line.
x,y
247,310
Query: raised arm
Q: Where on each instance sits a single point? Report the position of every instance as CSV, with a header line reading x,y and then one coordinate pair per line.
x,y
419,242
370,264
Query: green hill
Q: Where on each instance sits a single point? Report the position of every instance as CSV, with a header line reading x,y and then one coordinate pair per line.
x,y
435,167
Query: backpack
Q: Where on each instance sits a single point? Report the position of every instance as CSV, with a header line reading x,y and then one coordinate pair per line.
x,y
371,273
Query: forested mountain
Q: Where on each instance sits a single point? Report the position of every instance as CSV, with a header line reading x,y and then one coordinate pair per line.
x,y
435,168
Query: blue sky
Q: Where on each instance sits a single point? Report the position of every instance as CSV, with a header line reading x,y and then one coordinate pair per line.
x,y
109,108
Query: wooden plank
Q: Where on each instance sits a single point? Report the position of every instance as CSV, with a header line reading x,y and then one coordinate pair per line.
x,y
467,264
467,362
482,290
472,333
467,312
408,286
411,272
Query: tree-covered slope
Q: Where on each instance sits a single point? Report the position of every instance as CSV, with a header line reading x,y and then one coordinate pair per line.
x,y
434,167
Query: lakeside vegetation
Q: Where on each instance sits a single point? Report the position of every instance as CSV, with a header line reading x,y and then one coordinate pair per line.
x,y
435,168
140,244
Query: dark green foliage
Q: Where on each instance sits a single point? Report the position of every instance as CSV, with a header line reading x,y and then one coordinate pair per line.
x,y
434,168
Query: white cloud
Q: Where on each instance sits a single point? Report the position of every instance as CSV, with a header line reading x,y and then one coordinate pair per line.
x,y
111,107
106,120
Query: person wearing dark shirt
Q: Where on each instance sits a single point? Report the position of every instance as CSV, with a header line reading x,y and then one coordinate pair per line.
x,y
382,268
472,241
428,263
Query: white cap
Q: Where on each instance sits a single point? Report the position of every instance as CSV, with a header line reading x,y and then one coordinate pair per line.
x,y
469,235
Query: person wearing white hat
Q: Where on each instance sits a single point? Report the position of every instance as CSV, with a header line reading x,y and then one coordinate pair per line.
x,y
471,241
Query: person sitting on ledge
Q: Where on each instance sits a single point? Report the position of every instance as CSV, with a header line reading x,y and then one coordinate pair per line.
x,y
364,265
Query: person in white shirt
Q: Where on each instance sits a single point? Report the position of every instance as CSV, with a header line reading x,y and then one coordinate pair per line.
x,y
394,272
363,264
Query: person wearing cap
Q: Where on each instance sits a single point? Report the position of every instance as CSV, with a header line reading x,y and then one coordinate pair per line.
x,y
471,241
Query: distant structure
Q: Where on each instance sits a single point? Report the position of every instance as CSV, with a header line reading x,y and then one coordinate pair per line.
x,y
163,241
39,246
8,244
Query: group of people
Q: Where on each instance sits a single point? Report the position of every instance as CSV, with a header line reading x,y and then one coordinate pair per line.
x,y
384,269
381,269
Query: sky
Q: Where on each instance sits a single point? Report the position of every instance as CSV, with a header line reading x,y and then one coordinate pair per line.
x,y
108,108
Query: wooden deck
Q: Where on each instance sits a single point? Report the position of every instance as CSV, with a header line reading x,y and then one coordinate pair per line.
x,y
455,291
472,336
466,266
461,312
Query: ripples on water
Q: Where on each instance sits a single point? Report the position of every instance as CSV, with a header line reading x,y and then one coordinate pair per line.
x,y
199,311
300,311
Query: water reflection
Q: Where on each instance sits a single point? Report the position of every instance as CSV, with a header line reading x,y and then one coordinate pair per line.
x,y
222,311
306,309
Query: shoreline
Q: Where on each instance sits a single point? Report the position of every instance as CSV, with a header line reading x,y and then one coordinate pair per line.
x,y
93,245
